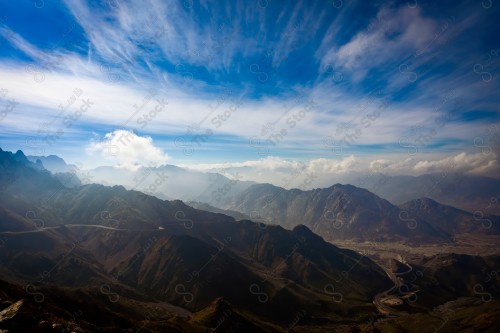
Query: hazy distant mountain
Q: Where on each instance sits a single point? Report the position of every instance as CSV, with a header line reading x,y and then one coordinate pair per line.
x,y
68,179
21,179
464,191
347,212
52,163
467,192
172,182
166,182
206,207
450,219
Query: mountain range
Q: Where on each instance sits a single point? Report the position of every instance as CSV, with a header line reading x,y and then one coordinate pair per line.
x,y
348,212
132,245
465,191
163,181
368,217
95,258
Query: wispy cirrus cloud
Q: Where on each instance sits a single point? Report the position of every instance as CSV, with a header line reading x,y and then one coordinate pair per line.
x,y
393,33
239,77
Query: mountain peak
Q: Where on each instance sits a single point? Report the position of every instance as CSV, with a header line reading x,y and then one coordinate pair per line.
x,y
302,230
39,165
52,163
20,157
428,201
421,203
219,302
266,186
119,188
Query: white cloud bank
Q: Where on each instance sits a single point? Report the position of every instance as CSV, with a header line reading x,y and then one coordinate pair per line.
x,y
128,150
325,171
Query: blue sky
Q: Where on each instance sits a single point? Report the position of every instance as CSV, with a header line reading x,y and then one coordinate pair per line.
x,y
339,85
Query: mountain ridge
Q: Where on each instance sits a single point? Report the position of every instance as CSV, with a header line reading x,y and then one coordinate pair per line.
x,y
347,212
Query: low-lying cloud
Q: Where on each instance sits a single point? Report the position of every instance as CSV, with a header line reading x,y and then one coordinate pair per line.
x,y
128,150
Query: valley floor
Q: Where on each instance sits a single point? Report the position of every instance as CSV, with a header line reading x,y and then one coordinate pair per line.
x,y
483,245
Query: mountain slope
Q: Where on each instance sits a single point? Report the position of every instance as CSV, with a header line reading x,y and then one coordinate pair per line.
x,y
338,212
206,207
467,192
137,247
450,219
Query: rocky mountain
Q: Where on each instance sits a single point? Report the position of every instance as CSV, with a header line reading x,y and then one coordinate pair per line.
x,y
444,277
467,192
349,212
449,219
95,258
46,308
68,179
221,316
120,249
464,191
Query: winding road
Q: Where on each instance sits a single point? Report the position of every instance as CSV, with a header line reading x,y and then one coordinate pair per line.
x,y
384,295
74,225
